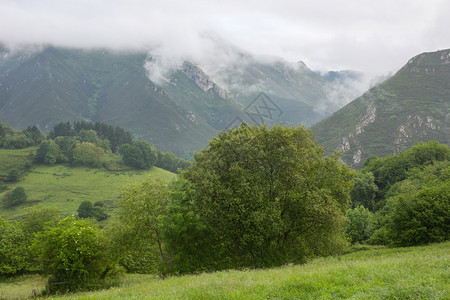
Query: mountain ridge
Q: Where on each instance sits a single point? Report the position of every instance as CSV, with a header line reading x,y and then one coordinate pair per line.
x,y
178,114
411,106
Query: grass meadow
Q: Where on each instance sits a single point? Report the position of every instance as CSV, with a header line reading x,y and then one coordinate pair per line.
x,y
13,159
378,273
66,187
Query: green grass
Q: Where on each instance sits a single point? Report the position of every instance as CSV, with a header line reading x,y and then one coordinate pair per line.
x,y
66,187
21,287
13,159
396,273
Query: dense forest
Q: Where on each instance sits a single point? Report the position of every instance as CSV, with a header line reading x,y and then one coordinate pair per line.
x,y
256,197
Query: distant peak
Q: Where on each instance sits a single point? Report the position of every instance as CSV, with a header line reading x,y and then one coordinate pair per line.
x,y
430,59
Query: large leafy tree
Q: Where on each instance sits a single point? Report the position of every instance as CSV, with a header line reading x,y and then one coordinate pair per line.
x,y
269,196
136,239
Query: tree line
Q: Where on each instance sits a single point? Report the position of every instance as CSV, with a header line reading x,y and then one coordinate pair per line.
x,y
87,143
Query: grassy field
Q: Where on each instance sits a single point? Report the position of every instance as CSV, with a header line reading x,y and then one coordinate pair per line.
x,y
66,187
397,273
13,159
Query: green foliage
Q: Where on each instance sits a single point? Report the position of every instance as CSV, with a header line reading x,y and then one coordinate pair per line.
x,y
139,155
139,209
62,129
99,134
394,168
12,248
66,145
34,134
13,139
411,203
421,219
17,237
17,141
5,130
362,224
364,190
268,196
88,154
168,161
15,197
186,233
87,210
71,253
13,175
36,219
48,153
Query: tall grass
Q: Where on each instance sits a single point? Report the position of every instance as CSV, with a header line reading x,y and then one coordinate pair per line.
x,y
400,273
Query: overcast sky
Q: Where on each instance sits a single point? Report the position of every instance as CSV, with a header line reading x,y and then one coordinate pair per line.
x,y
376,36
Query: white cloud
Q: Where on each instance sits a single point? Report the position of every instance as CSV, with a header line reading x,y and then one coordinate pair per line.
x,y
371,36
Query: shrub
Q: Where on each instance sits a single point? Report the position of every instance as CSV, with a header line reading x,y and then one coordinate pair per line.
x,y
71,254
12,248
89,155
421,219
13,175
15,197
361,224
86,210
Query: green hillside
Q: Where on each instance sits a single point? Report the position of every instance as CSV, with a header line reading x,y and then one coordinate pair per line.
x,y
66,187
412,106
179,114
406,273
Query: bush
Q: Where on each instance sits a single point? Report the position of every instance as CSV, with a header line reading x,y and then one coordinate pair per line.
x,y
13,175
421,219
362,224
86,210
139,155
15,197
71,254
12,248
89,155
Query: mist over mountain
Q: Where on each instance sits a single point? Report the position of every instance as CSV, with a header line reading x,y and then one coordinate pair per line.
x,y
411,106
176,105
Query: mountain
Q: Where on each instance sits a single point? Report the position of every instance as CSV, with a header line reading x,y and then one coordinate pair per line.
x,y
411,106
178,113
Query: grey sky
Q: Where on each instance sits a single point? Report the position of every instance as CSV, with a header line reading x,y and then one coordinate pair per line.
x,y
372,36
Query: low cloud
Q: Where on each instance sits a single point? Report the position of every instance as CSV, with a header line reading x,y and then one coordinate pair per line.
x,y
373,37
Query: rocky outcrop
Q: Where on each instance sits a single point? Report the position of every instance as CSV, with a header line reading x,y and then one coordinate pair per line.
x,y
202,80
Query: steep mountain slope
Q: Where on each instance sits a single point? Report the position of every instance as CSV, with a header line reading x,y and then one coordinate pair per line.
x,y
300,93
178,113
64,85
412,106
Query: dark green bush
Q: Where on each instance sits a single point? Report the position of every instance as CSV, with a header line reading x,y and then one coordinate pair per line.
x,y
421,219
15,197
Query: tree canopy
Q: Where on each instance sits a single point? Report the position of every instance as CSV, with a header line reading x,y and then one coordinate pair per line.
x,y
269,196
